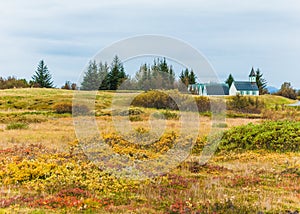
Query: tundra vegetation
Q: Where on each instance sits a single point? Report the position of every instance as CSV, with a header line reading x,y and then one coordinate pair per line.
x,y
43,169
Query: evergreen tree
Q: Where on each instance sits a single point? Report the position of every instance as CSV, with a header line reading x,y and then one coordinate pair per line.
x,y
184,77
103,73
229,80
171,75
163,75
143,78
42,76
116,74
157,76
187,77
261,82
91,79
192,77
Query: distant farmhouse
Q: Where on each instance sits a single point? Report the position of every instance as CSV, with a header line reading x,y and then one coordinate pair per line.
x,y
222,89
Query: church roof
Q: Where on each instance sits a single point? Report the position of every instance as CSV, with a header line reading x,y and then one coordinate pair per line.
x,y
252,73
217,89
245,86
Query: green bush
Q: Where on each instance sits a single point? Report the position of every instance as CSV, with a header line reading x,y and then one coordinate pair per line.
x,y
12,126
155,99
280,136
173,100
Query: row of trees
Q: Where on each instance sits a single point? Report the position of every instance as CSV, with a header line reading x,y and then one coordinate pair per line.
x,y
103,77
156,76
41,78
159,75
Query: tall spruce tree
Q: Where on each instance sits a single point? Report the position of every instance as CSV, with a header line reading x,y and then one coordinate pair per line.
x,y
103,73
91,79
116,74
229,80
192,77
261,82
42,76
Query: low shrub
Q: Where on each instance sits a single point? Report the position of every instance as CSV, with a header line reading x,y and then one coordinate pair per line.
x,y
279,136
131,111
167,114
155,99
245,104
220,125
135,118
81,109
173,100
62,108
288,114
77,109
199,145
21,118
276,136
12,126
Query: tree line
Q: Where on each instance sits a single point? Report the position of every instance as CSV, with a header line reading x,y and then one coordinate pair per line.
x,y
41,78
158,75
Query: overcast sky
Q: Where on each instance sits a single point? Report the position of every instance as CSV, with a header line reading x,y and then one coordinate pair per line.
x,y
233,35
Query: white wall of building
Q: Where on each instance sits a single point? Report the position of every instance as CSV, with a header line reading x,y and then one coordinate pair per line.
x,y
232,90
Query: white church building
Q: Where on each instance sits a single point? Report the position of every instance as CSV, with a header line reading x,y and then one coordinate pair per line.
x,y
245,87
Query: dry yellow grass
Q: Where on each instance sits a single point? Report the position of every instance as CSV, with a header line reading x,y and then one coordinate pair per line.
x,y
55,133
58,132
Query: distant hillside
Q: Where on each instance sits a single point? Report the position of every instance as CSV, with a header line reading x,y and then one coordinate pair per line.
x,y
272,89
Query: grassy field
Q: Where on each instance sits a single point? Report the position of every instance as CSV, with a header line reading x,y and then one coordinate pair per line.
x,y
43,168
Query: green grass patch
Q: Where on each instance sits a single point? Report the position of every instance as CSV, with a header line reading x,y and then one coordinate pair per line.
x,y
13,126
